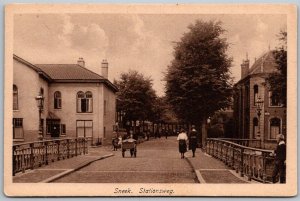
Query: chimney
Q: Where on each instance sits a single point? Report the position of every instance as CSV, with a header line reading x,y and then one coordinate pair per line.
x,y
104,68
81,62
245,67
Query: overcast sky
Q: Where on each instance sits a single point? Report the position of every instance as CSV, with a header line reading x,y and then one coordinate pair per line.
x,y
140,42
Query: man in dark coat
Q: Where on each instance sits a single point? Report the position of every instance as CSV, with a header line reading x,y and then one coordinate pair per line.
x,y
280,157
193,140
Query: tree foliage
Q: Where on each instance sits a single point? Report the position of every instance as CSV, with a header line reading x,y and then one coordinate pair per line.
x,y
278,80
136,96
162,111
198,81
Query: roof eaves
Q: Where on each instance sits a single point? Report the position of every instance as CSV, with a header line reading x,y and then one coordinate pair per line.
x,y
35,68
105,81
111,85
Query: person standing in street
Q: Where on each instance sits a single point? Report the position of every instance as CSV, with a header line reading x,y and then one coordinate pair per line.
x,y
193,140
182,141
280,157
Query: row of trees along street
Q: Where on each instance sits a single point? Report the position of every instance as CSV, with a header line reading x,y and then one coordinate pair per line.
x,y
138,101
198,81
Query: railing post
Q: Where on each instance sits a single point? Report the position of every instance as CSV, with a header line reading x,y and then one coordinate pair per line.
x,y
76,140
264,167
226,155
250,167
31,156
46,153
58,150
14,161
221,156
242,162
86,146
232,156
68,148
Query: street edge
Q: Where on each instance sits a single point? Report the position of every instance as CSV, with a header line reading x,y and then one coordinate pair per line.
x,y
198,175
60,175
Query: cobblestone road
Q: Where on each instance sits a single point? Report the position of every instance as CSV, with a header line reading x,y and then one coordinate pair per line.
x,y
157,161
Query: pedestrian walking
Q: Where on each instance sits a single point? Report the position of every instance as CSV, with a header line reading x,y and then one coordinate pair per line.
x,y
280,157
156,133
193,140
182,141
168,132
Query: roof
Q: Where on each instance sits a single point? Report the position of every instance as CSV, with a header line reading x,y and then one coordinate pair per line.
x,y
68,72
264,64
35,68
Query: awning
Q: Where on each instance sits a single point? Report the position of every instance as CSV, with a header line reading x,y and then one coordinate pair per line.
x,y
52,116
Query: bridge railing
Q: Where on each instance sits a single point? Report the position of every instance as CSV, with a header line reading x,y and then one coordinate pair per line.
x,y
254,163
35,154
254,143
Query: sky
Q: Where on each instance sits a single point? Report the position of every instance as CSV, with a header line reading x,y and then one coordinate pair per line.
x,y
142,42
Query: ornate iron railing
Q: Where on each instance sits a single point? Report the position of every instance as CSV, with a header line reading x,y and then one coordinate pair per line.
x,y
254,143
35,154
254,163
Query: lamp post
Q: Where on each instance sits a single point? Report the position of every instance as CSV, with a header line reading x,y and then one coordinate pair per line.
x,y
208,121
40,104
259,104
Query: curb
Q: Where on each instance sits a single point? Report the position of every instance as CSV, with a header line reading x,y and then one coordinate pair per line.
x,y
199,177
60,175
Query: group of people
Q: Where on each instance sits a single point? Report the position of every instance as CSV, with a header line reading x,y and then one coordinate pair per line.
x,y
279,153
183,139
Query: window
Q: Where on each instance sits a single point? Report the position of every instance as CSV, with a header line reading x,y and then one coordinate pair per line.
x,y
104,132
84,128
57,100
18,128
255,89
275,127
89,101
274,99
255,127
63,129
84,102
15,98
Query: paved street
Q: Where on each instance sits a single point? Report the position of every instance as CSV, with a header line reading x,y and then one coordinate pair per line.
x,y
157,161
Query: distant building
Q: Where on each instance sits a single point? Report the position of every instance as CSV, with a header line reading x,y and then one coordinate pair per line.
x,y
77,101
248,90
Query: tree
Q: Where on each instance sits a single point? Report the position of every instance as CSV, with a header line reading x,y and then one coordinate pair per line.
x,y
198,81
162,111
278,80
135,96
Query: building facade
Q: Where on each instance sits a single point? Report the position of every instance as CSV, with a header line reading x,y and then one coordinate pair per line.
x,y
252,94
76,102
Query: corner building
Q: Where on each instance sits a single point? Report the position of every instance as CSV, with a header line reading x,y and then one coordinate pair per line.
x,y
251,87
77,101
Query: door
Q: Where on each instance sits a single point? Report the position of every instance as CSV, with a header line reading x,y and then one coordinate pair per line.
x,y
55,130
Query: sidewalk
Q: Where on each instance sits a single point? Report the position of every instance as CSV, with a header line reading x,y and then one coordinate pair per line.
x,y
58,169
211,170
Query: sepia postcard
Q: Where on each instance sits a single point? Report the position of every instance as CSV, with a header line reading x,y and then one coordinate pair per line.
x,y
150,100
